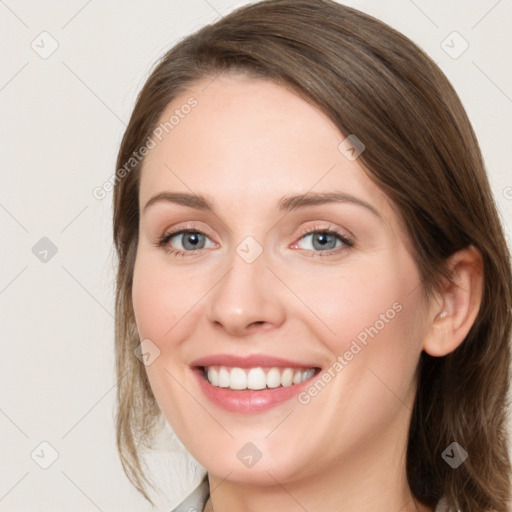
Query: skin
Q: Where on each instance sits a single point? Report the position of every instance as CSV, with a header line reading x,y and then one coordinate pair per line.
x,y
248,143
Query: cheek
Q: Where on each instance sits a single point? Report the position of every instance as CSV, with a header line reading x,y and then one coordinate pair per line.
x,y
154,299
375,314
372,310
166,301
350,300
160,309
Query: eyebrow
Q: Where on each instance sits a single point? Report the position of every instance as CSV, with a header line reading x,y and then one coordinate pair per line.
x,y
285,204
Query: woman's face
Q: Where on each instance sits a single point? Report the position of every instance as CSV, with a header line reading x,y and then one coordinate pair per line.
x,y
301,258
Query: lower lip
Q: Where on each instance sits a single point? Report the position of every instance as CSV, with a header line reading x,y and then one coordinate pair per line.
x,y
248,401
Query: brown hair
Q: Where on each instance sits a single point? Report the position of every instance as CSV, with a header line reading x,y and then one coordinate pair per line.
x,y
422,152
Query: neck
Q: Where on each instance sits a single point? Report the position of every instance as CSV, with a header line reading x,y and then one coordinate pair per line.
x,y
234,497
370,479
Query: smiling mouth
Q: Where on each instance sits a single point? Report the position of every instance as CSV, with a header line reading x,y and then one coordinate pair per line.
x,y
257,378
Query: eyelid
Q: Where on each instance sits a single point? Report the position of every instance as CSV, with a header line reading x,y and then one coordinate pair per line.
x,y
347,241
168,235
187,227
329,227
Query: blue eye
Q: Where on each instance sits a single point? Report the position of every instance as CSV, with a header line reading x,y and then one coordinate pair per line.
x,y
322,240
190,241
325,242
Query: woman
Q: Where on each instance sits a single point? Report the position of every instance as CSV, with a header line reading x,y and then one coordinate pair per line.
x,y
313,270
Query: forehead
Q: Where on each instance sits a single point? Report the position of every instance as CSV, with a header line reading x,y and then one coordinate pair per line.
x,y
250,141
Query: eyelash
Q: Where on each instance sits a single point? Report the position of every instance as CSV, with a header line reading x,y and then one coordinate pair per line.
x,y
348,242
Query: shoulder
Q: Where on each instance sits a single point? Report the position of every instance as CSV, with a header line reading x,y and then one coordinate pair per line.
x,y
443,507
196,500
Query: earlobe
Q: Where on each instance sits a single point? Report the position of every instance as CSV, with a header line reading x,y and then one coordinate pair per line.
x,y
457,304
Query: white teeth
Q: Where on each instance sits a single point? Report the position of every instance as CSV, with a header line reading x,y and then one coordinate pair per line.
x,y
256,378
308,374
273,378
223,378
287,377
213,376
238,379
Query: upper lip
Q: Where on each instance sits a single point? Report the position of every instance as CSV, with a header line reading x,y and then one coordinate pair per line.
x,y
251,361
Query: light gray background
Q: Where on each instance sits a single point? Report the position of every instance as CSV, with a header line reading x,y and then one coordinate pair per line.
x,y
62,119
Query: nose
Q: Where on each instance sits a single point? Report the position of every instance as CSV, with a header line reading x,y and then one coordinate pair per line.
x,y
248,298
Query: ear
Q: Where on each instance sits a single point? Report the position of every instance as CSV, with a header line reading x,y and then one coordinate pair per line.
x,y
457,305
